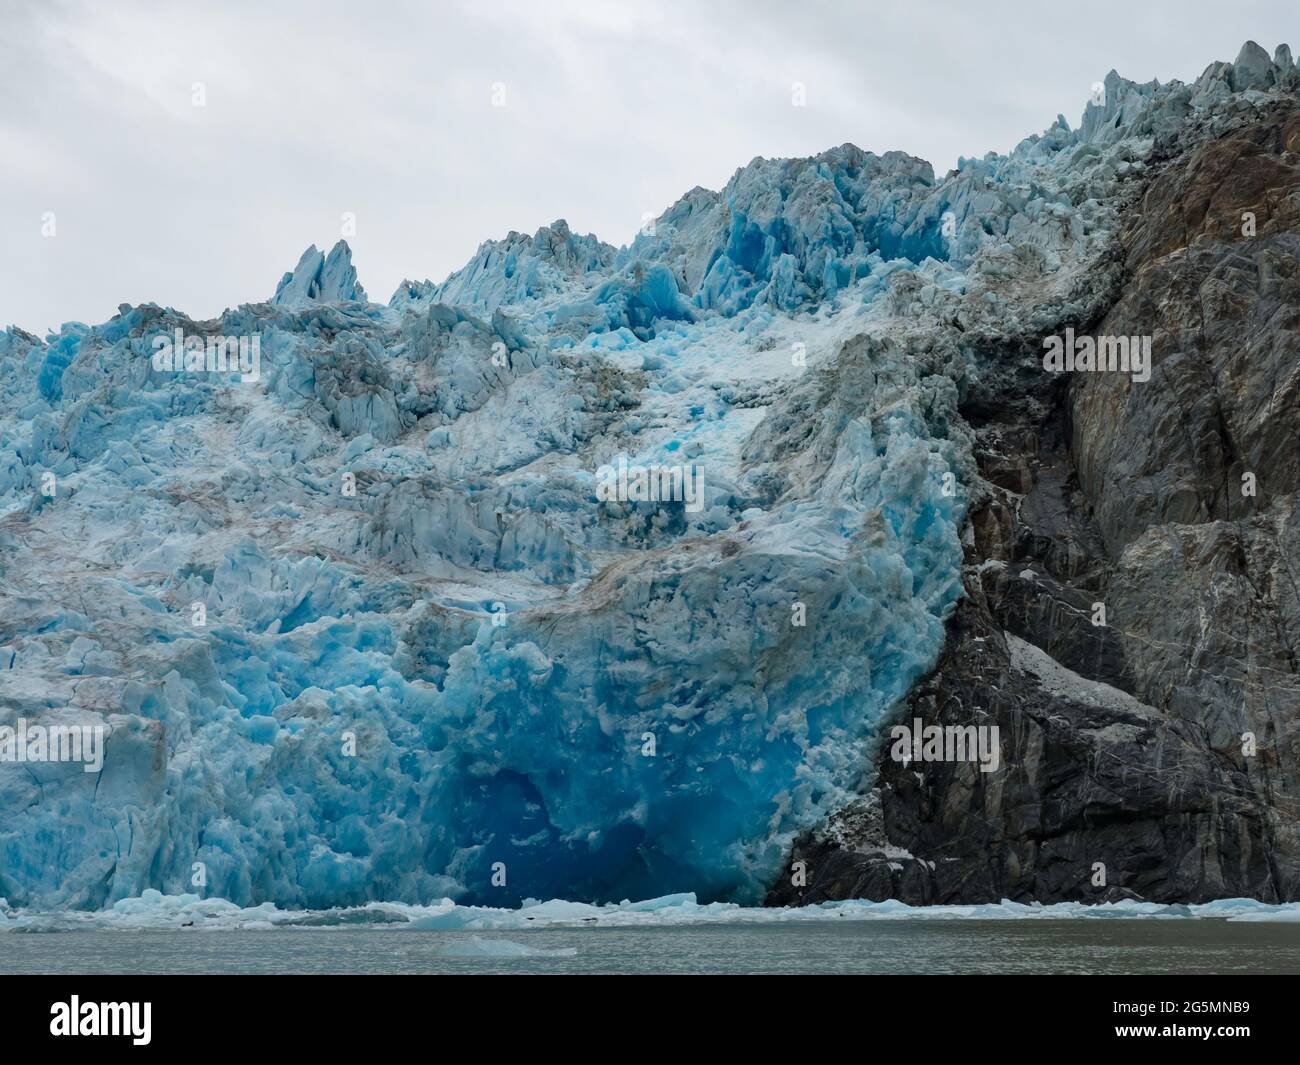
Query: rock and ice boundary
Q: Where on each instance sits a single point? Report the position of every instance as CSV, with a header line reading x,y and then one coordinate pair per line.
x,y
359,624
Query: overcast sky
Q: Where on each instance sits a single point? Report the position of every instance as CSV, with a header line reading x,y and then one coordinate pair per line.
x,y
385,110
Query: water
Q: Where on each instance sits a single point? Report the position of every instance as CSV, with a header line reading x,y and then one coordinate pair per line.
x,y
1204,946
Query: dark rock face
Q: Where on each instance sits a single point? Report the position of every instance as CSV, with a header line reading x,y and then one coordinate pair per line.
x,y
1133,588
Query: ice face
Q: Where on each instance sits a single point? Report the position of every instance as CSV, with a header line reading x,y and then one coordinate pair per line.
x,y
428,652
360,626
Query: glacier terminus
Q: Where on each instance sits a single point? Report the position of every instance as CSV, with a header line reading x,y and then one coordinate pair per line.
x,y
591,573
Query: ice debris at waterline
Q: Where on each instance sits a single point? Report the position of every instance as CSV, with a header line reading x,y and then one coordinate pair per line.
x,y
360,627
154,911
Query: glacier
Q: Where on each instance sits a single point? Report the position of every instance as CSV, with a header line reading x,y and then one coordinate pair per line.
x,y
360,630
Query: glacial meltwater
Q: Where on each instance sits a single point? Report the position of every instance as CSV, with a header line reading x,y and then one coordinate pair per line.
x,y
895,947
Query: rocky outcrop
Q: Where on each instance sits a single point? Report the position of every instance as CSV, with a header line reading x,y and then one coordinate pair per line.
x,y
1133,582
